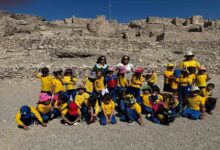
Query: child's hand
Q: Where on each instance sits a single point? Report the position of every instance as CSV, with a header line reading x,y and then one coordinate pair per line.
x,y
202,116
108,121
26,128
44,124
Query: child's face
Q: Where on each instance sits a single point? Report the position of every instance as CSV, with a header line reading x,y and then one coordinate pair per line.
x,y
169,68
59,76
81,91
202,71
99,74
209,88
111,72
146,92
122,74
107,102
195,93
154,93
47,102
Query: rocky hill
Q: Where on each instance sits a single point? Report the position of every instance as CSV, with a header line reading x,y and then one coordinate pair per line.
x,y
28,42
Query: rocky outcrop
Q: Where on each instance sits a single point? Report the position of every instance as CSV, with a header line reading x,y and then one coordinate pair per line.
x,y
29,42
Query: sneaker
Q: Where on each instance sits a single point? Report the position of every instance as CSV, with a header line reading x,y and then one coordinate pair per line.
x,y
148,115
131,123
76,124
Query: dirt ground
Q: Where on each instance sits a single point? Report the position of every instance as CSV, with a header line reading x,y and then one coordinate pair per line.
x,y
183,134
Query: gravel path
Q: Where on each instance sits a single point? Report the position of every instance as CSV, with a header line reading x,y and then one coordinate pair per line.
x,y
182,134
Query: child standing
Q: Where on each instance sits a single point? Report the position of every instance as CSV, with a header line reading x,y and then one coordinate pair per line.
x,y
70,82
168,74
195,108
46,80
44,106
136,83
108,109
111,82
184,86
202,78
27,116
133,111
99,85
89,83
151,78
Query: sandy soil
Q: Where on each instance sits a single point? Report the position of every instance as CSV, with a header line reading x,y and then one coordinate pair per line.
x,y
182,134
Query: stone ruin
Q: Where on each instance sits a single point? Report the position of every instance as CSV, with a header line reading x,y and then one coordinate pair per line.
x,y
27,41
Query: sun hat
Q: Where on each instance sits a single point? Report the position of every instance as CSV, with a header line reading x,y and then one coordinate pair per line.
x,y
73,109
189,53
194,88
202,68
146,87
25,112
139,70
170,65
44,97
122,69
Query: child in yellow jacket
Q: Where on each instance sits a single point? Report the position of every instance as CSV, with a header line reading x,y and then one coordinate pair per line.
x,y
70,82
168,74
46,80
44,106
136,84
202,78
27,115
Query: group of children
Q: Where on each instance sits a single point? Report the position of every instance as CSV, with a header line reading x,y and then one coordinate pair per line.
x,y
131,92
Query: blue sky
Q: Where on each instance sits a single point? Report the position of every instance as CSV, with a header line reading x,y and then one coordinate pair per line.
x,y
122,10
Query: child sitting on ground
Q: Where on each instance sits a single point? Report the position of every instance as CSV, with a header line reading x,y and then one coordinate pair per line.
x,y
93,109
44,106
81,100
133,111
26,116
108,109
46,80
151,78
210,102
58,84
146,103
72,116
70,82
195,108
60,107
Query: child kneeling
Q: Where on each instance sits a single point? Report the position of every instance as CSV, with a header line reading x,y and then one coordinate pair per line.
x,y
27,116
108,108
133,111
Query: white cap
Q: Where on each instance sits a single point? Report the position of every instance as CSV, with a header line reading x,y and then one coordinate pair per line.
x,y
194,88
189,53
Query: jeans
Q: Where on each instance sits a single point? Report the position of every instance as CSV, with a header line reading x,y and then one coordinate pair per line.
x,y
103,120
166,88
112,92
46,117
191,114
146,109
183,91
136,92
29,121
71,93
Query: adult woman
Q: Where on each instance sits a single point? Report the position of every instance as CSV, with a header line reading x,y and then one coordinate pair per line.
x,y
101,65
129,67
